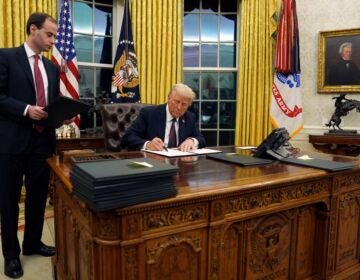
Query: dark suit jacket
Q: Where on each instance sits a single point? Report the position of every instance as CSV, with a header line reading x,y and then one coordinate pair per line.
x,y
340,74
17,90
151,123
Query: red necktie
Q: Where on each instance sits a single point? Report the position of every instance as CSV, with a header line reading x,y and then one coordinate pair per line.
x,y
40,89
172,135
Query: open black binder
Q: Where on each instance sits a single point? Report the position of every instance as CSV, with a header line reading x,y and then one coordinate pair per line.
x,y
63,108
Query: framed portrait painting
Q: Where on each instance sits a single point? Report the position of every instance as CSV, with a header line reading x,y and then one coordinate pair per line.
x,y
339,61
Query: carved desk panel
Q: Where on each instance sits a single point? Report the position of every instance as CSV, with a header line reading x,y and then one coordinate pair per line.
x,y
274,221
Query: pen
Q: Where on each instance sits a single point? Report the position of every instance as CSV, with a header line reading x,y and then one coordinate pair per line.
x,y
165,148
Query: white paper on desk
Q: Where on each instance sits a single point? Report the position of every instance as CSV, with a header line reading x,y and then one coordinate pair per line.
x,y
178,153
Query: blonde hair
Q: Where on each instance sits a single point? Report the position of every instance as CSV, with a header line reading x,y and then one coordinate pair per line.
x,y
183,90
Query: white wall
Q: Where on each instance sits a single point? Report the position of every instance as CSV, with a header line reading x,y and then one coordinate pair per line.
x,y
315,16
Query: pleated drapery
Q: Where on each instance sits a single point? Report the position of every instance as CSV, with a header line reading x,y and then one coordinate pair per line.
x,y
13,17
157,29
255,74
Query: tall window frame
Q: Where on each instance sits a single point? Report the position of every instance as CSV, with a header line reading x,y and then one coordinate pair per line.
x,y
212,74
95,68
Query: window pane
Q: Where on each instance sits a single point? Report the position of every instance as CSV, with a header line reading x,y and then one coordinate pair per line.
x,y
210,6
209,55
210,137
227,115
228,28
192,5
192,80
191,27
191,55
87,118
209,86
82,18
102,50
227,55
109,2
195,109
209,114
227,86
86,82
103,82
228,6
226,138
103,20
98,119
209,28
84,47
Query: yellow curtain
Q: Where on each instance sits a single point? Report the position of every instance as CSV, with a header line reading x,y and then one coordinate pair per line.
x,y
255,74
157,29
13,16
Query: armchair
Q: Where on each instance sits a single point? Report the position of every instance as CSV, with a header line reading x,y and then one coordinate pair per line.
x,y
116,119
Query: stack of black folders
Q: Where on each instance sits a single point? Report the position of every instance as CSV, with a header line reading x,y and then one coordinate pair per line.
x,y
116,183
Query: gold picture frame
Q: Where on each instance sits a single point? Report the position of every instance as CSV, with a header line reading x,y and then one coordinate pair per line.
x,y
331,74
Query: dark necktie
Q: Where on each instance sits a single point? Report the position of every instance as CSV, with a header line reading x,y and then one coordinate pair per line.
x,y
172,135
40,89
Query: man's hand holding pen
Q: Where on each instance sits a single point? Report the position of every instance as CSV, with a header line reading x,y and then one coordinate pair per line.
x,y
156,144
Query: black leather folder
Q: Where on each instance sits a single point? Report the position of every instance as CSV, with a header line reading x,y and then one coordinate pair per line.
x,y
328,165
99,172
63,108
240,159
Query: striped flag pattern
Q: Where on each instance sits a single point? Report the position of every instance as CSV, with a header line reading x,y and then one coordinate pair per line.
x,y
64,56
118,80
286,106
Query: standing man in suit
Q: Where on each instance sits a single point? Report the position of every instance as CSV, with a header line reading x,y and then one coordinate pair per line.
x,y
167,125
28,82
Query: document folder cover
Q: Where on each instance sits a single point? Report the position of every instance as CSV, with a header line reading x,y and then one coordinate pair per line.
x,y
240,159
328,165
63,108
121,169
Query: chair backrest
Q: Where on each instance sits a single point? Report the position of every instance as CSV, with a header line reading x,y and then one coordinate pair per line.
x,y
116,119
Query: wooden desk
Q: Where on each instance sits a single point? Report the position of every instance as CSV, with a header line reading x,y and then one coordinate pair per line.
x,y
337,144
275,221
94,142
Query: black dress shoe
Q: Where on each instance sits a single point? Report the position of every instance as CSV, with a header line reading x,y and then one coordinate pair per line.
x,y
45,251
12,268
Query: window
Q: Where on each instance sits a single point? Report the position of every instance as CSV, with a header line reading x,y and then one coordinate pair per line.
x,y
210,68
92,27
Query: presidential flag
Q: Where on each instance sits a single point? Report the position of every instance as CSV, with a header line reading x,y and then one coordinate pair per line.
x,y
286,109
64,56
125,80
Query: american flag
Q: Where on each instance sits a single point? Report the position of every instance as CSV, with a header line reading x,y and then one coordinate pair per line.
x,y
64,56
118,79
286,106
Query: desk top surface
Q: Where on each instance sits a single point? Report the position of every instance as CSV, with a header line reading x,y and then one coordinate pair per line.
x,y
201,176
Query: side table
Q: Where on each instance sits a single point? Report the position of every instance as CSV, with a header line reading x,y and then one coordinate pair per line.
x,y
348,145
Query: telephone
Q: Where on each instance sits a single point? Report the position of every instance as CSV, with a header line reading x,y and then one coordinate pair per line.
x,y
275,145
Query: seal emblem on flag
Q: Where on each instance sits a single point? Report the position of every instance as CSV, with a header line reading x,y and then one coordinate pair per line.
x,y
126,71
